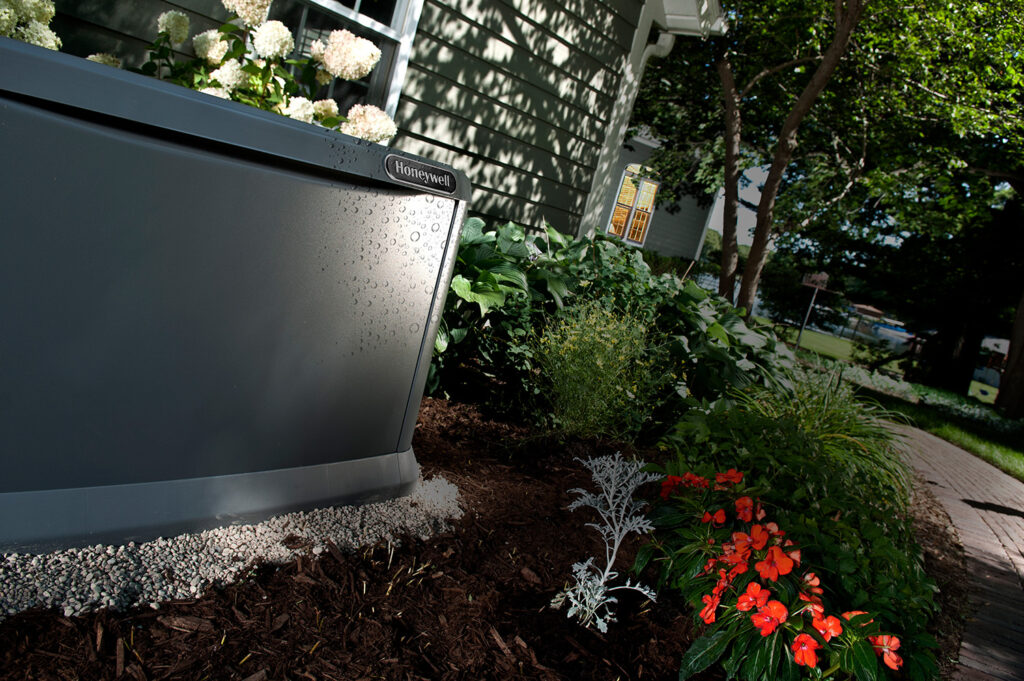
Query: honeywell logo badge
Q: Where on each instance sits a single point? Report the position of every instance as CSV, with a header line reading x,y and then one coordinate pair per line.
x,y
420,174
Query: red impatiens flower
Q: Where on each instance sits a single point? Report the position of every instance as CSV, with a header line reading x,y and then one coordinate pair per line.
x,y
669,484
774,530
812,582
884,646
854,613
827,626
794,554
768,618
774,564
745,509
710,605
694,480
737,570
741,542
718,518
816,608
754,597
758,537
731,476
804,647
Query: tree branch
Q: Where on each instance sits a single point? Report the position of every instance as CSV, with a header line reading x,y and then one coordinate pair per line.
x,y
772,71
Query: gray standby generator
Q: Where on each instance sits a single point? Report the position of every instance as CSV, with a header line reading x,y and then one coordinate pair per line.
x,y
209,313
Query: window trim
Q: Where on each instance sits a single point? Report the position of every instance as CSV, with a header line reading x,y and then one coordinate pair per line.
x,y
402,31
640,174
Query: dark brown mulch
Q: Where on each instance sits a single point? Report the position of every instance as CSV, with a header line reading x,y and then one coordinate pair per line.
x,y
469,604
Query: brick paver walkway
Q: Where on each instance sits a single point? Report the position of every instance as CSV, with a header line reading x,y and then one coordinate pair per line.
x,y
987,509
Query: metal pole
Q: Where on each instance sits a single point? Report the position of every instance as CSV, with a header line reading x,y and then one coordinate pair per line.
x,y
806,317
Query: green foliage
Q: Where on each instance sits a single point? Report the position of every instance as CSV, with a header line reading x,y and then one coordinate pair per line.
x,y
508,283
603,371
505,281
827,470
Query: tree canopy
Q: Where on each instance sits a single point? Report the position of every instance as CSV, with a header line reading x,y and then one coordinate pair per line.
x,y
878,120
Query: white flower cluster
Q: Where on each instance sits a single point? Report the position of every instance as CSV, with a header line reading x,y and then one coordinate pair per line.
x,y
209,46
251,12
230,75
272,39
326,108
618,479
367,122
216,92
174,24
105,58
299,108
29,21
347,56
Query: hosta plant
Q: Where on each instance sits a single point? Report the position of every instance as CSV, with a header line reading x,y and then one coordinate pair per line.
x,y
769,614
589,598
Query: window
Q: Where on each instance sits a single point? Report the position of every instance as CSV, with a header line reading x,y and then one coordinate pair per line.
x,y
390,24
634,205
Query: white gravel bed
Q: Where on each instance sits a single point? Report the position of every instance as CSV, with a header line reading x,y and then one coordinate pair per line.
x,y
76,581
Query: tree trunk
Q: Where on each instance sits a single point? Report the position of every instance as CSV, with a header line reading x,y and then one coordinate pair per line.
x,y
730,248
847,18
1010,400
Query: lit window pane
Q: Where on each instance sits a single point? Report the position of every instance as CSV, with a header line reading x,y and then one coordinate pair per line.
x,y
619,218
628,192
638,229
647,191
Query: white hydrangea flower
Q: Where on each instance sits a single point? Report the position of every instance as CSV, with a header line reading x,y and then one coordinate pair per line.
x,y
251,12
33,10
175,24
348,56
105,58
209,46
272,39
325,108
299,108
8,20
37,33
316,50
367,122
216,92
230,75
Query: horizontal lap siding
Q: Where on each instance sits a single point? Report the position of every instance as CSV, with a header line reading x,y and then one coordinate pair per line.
x,y
518,94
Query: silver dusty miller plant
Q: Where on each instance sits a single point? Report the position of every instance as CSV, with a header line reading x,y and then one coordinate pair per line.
x,y
617,478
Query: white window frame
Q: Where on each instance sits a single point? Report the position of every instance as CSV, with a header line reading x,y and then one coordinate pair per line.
x,y
639,174
387,85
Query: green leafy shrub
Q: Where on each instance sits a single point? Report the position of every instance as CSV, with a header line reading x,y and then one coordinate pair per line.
x,y
827,469
602,370
508,282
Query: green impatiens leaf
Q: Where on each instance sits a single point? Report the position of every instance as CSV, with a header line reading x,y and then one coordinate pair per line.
x,y
704,652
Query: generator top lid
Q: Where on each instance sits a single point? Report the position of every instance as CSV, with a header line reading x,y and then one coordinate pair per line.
x,y
99,90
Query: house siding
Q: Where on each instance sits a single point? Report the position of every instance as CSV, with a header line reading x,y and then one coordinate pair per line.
x,y
518,94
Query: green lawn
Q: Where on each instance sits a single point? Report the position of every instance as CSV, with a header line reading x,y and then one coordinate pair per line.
x,y
815,341
1004,451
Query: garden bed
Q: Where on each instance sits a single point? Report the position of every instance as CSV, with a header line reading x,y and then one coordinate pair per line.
x,y
472,603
